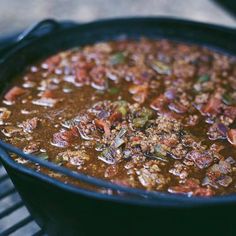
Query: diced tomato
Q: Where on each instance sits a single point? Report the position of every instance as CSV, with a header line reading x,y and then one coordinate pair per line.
x,y
231,136
52,62
82,76
139,92
116,116
103,125
13,93
73,132
170,142
48,94
212,107
159,103
55,60
135,139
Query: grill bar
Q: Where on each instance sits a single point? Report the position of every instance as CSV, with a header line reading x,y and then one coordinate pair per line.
x,y
3,178
17,226
11,209
7,193
39,233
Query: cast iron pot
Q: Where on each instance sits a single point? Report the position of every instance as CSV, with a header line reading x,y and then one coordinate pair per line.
x,y
63,209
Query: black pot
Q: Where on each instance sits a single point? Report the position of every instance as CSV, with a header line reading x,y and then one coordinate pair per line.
x,y
67,210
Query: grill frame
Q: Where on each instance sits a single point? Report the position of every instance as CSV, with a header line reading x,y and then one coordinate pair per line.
x,y
17,225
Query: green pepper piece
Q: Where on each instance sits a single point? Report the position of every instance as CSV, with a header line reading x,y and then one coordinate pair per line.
x,y
146,112
160,67
140,122
117,58
113,90
227,99
203,78
121,107
142,118
159,151
43,156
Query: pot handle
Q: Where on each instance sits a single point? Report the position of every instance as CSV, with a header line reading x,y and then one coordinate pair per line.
x,y
39,29
47,25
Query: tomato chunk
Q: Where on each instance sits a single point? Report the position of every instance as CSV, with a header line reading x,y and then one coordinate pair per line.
x,y
231,136
13,93
103,125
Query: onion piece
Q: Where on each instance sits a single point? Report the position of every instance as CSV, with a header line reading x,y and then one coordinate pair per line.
x,y
118,141
108,155
46,102
177,107
160,67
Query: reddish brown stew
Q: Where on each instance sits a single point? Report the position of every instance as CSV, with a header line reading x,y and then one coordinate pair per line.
x,y
156,115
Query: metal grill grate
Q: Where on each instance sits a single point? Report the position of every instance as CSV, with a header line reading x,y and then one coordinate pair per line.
x,y
14,217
